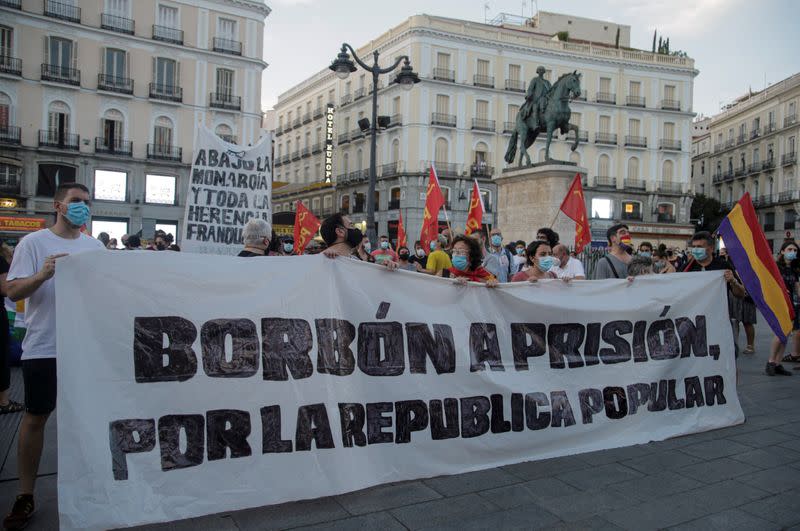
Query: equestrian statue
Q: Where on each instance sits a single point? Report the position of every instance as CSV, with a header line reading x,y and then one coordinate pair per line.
x,y
546,108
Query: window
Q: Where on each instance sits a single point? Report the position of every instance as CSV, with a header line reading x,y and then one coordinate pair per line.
x,y
168,228
315,205
669,130
110,185
159,189
118,8
482,110
225,132
226,29
112,129
790,145
666,174
483,67
115,65
633,168
9,175
327,202
601,208
442,104
631,210
576,118
665,212
769,221
514,72
443,60
51,176
162,134
345,203
789,218
115,228
168,16
59,53
635,88
669,92
58,123
6,44
633,127
702,167
513,110
756,157
166,75
441,151
224,84
605,85
345,163
605,124
396,105
395,155
603,164
788,182
5,110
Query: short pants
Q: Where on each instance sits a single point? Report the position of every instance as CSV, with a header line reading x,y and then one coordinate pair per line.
x,y
39,376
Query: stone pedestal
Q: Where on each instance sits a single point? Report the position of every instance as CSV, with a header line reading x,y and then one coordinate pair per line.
x,y
529,198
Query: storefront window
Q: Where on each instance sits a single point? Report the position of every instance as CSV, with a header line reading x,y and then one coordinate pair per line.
x,y
159,189
115,228
110,185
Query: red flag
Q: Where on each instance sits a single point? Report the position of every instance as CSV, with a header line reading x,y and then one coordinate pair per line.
x,y
574,206
434,201
475,215
402,240
306,226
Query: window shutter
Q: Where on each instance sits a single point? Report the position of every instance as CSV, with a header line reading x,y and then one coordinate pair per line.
x,y
46,50
74,54
177,73
127,65
103,53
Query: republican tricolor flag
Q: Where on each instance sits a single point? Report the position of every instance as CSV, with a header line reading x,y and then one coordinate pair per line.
x,y
751,256
476,210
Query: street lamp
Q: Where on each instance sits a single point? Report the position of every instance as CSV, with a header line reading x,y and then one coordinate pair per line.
x,y
343,66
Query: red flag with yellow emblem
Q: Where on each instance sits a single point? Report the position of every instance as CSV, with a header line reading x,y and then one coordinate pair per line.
x,y
402,240
574,206
475,215
306,226
434,201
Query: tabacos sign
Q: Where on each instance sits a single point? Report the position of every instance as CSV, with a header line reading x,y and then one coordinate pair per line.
x,y
329,143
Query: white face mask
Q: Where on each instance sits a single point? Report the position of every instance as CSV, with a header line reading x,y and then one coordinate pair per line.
x,y
420,253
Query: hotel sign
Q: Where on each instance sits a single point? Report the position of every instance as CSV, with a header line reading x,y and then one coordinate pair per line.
x,y
329,143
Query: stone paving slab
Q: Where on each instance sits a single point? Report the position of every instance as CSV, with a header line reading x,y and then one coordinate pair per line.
x,y
730,520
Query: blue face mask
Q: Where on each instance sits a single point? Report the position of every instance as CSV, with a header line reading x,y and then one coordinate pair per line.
x,y
433,246
520,251
460,262
78,213
384,245
288,247
546,263
699,253
497,240
645,254
791,255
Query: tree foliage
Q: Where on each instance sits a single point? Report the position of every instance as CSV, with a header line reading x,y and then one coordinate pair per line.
x,y
707,213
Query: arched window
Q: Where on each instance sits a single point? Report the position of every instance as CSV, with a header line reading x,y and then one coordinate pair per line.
x,y
442,151
112,130
58,122
345,204
666,172
633,168
225,132
345,163
162,135
359,160
755,188
395,156
603,165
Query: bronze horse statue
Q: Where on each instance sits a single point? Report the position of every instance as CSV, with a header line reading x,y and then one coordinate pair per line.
x,y
555,117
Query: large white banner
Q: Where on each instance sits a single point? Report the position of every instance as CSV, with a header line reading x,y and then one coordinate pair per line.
x,y
229,184
196,384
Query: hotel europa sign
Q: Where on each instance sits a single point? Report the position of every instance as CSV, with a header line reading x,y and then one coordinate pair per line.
x,y
329,144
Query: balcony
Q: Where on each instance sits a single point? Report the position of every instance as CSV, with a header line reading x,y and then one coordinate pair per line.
x,y
583,136
665,218
483,81
670,145
635,101
741,139
118,24
10,134
446,169
394,204
755,133
15,4
508,127
768,164
356,133
444,74
344,138
359,93
59,140
296,154
480,124
10,65
167,34
279,130
481,169
582,96
718,147
163,92
740,171
395,120
635,184
718,177
443,120
605,138
608,182
754,167
228,46
730,143
61,74
307,118
788,196
390,169
319,112
121,85
606,97
671,105
10,183
346,99
790,120
115,146
728,175
515,85
770,127
636,141
225,101
316,148
670,187
164,152
788,158
631,216
62,11
305,152
297,122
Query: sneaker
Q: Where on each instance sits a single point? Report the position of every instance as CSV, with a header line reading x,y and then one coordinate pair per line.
x,y
780,370
770,370
20,514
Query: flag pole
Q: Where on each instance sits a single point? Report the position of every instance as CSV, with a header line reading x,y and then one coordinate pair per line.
x,y
555,218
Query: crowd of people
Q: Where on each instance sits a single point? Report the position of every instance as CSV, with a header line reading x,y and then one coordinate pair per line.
x,y
484,257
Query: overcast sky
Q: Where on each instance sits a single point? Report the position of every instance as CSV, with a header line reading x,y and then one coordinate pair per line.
x,y
736,44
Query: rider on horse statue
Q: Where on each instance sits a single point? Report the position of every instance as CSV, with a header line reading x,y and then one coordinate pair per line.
x,y
536,97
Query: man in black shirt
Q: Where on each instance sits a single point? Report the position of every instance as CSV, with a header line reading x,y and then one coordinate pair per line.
x,y
256,236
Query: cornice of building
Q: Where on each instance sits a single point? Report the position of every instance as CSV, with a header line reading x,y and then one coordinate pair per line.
x,y
254,5
763,96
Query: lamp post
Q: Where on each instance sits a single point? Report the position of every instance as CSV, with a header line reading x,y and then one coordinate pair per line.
x,y
406,78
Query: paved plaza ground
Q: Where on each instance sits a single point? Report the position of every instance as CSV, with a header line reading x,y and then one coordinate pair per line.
x,y
745,477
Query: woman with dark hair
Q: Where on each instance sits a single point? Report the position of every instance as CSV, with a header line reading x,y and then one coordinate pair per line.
x,y
467,260
661,262
789,267
540,261
404,259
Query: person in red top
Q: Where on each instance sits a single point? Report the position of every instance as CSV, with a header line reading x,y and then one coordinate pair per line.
x,y
467,260
385,252
540,261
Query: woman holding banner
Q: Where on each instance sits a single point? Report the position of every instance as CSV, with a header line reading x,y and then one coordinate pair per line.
x,y
540,261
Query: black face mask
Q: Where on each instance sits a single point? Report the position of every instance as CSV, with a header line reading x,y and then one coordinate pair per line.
x,y
161,246
403,256
354,237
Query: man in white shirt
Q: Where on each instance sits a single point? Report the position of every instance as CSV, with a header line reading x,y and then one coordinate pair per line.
x,y
567,266
31,278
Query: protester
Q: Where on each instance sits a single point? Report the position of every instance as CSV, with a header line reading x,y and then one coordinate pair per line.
x,y
640,265
490,261
467,260
362,250
134,243
661,263
31,278
256,236
548,235
646,249
285,246
341,237
743,311
519,260
404,260
104,239
789,267
540,261
112,244
567,267
124,240
438,261
419,256
6,404
615,263
448,245
504,256
385,251
174,247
